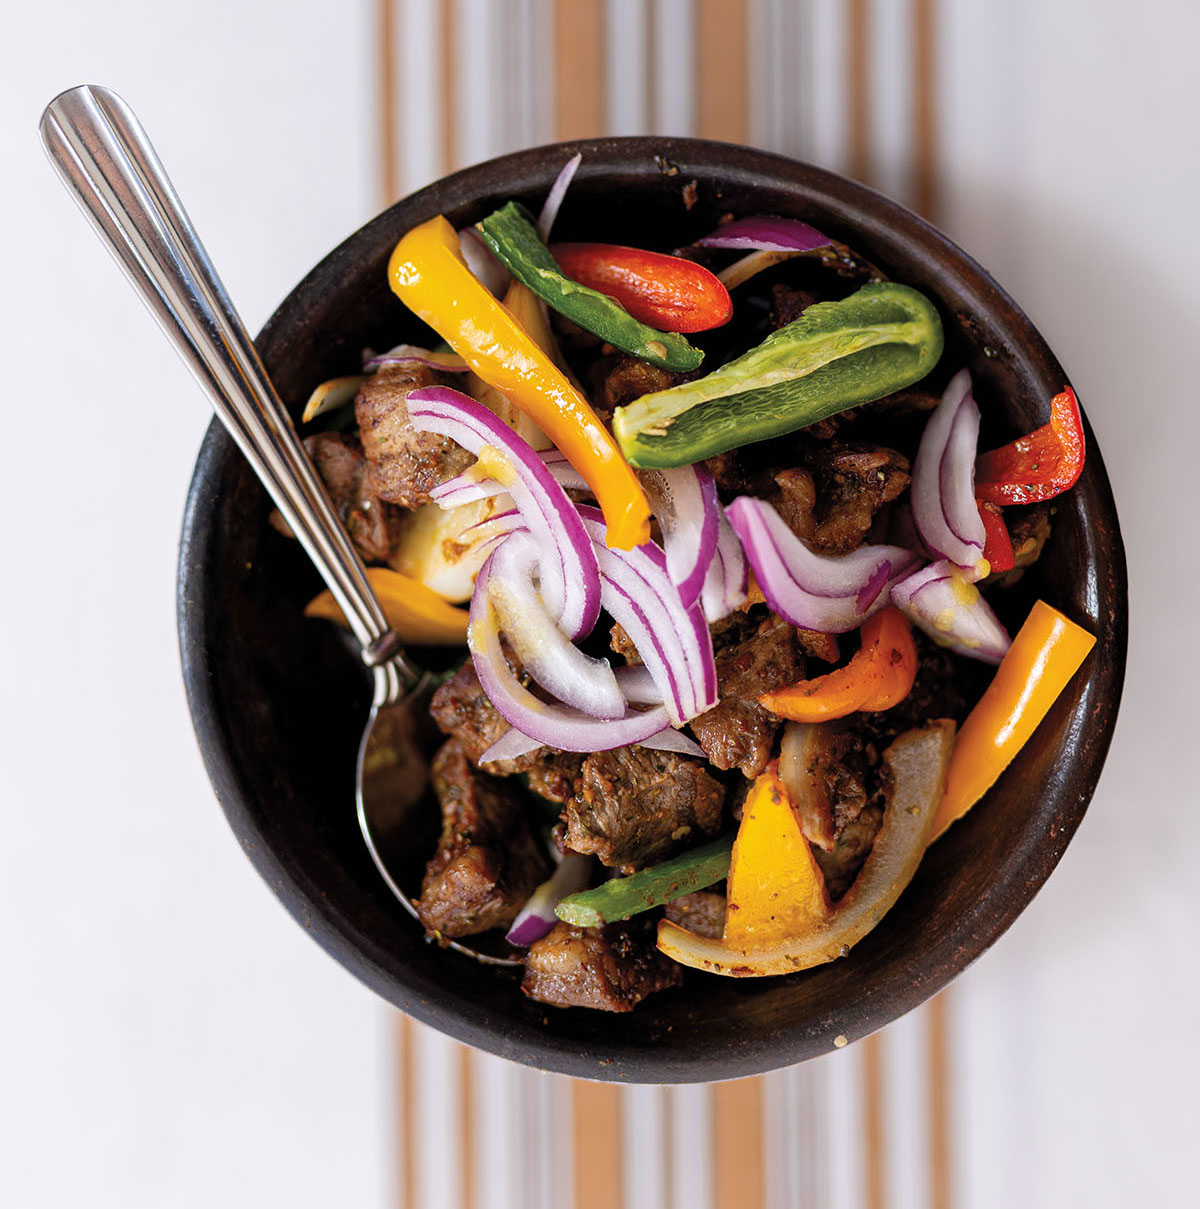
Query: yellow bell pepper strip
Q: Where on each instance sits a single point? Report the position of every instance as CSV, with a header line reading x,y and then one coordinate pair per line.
x,y
917,761
776,888
1043,657
880,675
428,274
419,615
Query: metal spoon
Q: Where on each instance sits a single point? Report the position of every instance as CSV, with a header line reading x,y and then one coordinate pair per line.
x,y
107,162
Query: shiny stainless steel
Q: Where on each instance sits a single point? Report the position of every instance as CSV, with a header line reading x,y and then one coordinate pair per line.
x,y
106,160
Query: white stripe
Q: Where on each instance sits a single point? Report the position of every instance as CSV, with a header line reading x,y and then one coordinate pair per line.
x,y
691,1153
482,74
673,68
890,125
906,1111
644,1167
825,60
419,89
502,1120
791,1150
438,1182
626,73
841,1139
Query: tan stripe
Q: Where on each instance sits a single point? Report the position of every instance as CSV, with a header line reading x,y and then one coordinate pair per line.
x,y
875,1196
466,1124
924,101
722,70
449,41
579,68
739,1169
406,1184
386,98
858,87
598,1145
938,1042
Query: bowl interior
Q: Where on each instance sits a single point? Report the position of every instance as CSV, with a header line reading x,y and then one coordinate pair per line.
x,y
279,703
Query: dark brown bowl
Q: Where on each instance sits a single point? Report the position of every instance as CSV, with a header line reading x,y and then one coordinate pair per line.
x,y
278,703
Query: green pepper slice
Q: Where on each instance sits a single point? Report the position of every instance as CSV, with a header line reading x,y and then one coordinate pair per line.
x,y
511,235
622,897
836,355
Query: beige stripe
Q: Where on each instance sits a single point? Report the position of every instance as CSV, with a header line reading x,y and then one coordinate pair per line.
x,y
739,1171
598,1145
874,1175
386,99
466,1128
579,68
448,36
722,70
406,1182
924,102
858,87
937,1022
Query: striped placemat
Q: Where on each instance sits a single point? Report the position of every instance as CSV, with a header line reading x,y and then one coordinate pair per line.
x,y
850,85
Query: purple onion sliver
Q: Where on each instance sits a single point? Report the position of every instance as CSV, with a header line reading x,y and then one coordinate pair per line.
x,y
412,353
537,917
672,740
941,601
554,199
510,746
766,233
873,587
956,483
490,272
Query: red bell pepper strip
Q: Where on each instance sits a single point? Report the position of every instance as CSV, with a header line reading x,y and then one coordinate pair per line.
x,y
997,545
1038,466
666,292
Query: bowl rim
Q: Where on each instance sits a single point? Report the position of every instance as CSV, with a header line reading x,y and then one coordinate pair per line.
x,y
1028,866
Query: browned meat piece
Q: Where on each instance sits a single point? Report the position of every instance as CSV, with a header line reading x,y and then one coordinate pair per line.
x,y
788,304
461,708
619,379
1029,530
405,465
832,500
622,644
852,848
738,732
820,646
702,912
744,471
371,523
488,860
610,969
633,805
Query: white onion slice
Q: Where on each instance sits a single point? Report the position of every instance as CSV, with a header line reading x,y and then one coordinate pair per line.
x,y
684,498
950,609
728,577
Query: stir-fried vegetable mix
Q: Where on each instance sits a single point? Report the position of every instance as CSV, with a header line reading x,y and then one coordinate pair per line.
x,y
722,643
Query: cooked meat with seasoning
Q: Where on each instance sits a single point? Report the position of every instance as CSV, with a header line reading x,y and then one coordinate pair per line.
x,y
850,850
621,378
405,465
788,304
553,775
622,644
831,501
371,523
702,912
633,805
738,732
488,859
610,969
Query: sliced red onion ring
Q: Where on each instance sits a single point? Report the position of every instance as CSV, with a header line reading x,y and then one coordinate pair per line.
x,y
638,685
537,917
829,594
950,609
475,484
446,362
672,740
766,233
547,654
513,743
943,481
554,198
554,725
491,273
570,582
509,746
674,642
684,499
727,579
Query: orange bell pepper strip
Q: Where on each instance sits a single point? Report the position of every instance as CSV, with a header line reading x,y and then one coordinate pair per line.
x,y
1043,657
880,675
418,614
427,272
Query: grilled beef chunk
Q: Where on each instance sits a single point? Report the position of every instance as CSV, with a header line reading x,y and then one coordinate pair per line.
x,y
831,500
622,644
633,805
702,912
370,522
788,304
851,849
405,465
619,379
461,708
488,859
611,969
738,732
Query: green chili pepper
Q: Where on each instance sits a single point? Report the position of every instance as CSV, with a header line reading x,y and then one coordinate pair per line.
x,y
511,235
836,355
625,896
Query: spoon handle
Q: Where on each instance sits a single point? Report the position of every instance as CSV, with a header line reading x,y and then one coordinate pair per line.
x,y
106,160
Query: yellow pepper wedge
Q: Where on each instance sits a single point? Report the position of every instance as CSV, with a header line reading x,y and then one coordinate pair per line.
x,y
419,615
428,274
1043,657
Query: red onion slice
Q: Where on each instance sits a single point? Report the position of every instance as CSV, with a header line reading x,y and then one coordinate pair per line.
x,y
684,499
475,484
638,685
509,746
829,594
554,725
672,740
943,481
446,363
950,609
554,198
570,581
766,233
547,654
728,577
537,917
480,260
